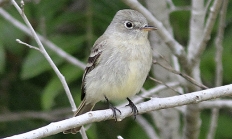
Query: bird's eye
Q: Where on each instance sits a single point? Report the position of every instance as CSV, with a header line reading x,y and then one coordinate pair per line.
x,y
129,25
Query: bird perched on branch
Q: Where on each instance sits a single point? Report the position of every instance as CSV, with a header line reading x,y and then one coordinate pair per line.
x,y
118,64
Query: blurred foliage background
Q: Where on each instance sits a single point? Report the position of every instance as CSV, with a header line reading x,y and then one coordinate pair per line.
x,y
28,84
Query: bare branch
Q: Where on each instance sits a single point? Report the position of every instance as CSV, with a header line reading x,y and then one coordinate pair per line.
x,y
213,123
83,133
218,44
207,5
207,31
147,127
219,69
151,105
196,27
223,103
171,4
59,113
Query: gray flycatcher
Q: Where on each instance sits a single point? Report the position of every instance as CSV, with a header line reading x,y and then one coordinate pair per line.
x,y
118,64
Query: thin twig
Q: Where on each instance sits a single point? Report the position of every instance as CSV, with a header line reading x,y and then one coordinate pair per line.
x,y
48,43
219,69
48,116
218,44
148,94
83,133
147,127
160,82
171,5
207,31
207,5
30,46
188,78
43,51
213,123
218,103
196,29
119,137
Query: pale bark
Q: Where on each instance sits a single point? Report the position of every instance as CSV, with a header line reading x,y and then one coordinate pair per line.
x,y
167,120
151,105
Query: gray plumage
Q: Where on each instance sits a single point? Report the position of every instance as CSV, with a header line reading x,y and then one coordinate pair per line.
x,y
119,62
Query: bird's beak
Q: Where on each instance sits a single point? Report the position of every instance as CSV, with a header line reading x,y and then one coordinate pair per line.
x,y
148,28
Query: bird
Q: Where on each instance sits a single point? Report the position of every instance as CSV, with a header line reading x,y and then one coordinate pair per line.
x,y
118,65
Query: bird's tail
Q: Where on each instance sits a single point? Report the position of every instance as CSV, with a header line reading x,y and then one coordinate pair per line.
x,y
83,108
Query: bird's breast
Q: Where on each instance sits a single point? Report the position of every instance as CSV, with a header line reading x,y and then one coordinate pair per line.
x,y
120,73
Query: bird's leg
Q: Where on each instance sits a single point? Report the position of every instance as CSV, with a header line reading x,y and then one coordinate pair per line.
x,y
133,107
114,109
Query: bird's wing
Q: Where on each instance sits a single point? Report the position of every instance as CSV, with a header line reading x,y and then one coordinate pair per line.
x,y
93,61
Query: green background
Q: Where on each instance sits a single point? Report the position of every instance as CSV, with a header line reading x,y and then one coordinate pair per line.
x,y
27,82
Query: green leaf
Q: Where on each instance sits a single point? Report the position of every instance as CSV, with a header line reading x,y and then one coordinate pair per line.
x,y
8,35
2,58
54,87
35,63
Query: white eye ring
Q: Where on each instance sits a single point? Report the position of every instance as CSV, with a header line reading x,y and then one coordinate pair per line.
x,y
129,25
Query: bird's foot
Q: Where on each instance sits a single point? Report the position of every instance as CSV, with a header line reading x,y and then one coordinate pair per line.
x,y
133,108
113,108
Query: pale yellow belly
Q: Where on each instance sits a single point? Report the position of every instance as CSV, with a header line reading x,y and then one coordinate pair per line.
x,y
119,75
129,86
